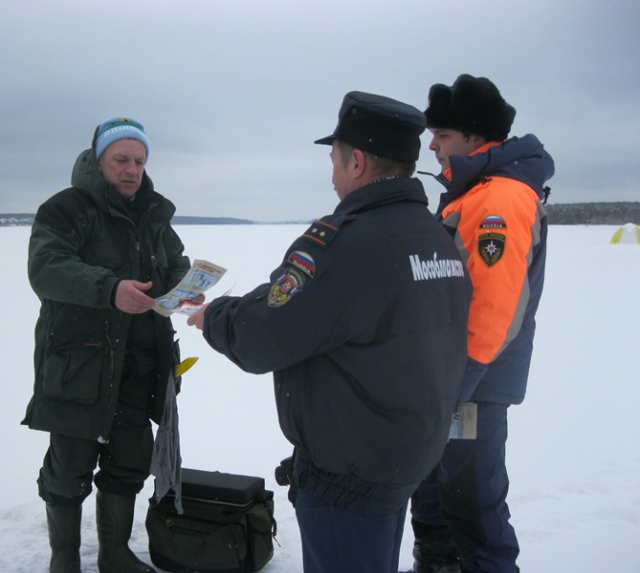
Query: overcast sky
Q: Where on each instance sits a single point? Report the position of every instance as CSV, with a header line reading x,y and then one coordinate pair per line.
x,y
233,93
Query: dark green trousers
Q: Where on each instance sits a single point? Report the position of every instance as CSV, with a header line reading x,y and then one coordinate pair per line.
x,y
123,462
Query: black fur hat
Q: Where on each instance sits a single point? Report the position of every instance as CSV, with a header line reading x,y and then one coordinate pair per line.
x,y
470,105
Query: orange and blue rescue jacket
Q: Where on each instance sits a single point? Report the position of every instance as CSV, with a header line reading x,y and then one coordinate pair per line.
x,y
493,210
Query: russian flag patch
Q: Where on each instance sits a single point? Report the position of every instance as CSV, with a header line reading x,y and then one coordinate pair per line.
x,y
304,262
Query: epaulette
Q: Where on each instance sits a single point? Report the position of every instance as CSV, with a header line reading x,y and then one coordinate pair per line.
x,y
300,261
323,231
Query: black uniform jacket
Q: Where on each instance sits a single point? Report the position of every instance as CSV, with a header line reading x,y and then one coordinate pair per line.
x,y
364,326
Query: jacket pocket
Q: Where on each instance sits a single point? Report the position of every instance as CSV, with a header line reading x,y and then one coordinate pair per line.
x,y
74,375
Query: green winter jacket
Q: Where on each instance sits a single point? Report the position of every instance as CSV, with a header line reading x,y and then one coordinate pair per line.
x,y
83,242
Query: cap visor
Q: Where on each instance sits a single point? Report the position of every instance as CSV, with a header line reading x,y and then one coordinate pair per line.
x,y
326,140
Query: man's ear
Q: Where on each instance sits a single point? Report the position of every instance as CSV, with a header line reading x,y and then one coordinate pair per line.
x,y
477,141
358,163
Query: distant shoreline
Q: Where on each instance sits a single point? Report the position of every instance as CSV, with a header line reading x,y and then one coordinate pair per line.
x,y
603,213
26,220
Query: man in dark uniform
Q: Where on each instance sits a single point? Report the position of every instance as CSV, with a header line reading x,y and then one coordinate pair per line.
x,y
364,326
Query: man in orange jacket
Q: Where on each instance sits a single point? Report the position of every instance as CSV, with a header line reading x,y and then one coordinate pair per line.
x,y
492,208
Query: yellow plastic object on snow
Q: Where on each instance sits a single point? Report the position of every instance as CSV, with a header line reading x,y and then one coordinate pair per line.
x,y
185,365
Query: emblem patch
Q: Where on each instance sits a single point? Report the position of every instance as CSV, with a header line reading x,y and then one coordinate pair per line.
x,y
285,288
491,247
493,222
304,262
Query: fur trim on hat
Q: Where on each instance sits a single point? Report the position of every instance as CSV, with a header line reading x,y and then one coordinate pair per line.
x,y
471,105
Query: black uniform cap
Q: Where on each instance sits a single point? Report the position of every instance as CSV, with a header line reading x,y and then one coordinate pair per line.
x,y
380,125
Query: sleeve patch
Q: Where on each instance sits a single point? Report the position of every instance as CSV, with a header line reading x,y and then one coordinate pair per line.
x,y
304,262
285,288
491,247
493,222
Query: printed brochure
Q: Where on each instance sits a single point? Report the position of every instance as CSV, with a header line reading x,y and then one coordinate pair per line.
x,y
201,277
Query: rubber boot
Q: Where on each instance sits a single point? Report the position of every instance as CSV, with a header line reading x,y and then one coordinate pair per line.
x,y
64,537
434,550
114,518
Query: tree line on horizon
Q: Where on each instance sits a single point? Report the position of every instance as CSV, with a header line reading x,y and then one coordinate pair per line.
x,y
602,213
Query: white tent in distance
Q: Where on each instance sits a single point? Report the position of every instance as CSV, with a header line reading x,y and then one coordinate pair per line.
x,y
628,234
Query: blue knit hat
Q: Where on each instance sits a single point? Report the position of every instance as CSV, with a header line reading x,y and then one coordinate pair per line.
x,y
116,128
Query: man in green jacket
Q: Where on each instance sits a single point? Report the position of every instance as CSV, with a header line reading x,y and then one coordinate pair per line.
x,y
100,252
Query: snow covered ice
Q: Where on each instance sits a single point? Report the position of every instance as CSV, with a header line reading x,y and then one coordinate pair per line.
x,y
573,452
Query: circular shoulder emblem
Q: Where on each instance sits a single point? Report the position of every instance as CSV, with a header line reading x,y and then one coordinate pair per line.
x,y
286,287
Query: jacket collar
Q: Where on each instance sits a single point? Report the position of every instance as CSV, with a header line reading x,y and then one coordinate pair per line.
x,y
523,159
382,192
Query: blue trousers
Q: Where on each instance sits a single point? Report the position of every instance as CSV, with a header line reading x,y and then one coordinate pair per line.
x,y
468,492
338,541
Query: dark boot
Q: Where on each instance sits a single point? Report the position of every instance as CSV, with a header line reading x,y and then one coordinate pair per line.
x,y
64,537
114,517
434,550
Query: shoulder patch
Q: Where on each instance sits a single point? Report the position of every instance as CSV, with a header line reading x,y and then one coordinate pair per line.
x,y
285,288
493,222
304,262
491,247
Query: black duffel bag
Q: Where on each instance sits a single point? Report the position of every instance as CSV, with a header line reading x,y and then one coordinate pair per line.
x,y
227,525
